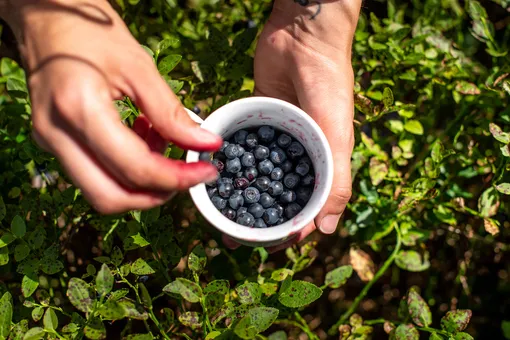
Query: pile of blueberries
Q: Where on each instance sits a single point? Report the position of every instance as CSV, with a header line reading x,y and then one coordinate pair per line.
x,y
265,177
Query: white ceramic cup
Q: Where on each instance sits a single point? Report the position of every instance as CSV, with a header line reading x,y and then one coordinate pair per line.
x,y
253,112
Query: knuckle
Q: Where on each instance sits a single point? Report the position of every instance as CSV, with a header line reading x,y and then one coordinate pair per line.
x,y
341,195
138,176
104,204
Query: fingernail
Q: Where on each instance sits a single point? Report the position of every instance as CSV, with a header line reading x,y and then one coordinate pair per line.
x,y
329,224
206,136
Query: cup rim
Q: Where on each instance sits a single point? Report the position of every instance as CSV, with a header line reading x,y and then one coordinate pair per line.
x,y
284,230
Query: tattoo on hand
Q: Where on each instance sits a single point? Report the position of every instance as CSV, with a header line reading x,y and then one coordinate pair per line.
x,y
305,3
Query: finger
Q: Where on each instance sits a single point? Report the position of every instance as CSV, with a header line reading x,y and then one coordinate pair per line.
x,y
167,114
300,237
142,127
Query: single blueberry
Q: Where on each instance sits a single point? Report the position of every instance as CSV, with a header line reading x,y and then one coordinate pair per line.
x,y
223,146
287,196
295,150
236,201
290,180
234,165
292,210
251,195
286,166
219,202
248,159
246,219
225,190
251,173
266,133
262,183
281,220
242,210
239,192
231,151
265,167
284,140
277,174
256,209
212,191
272,146
266,200
229,213
240,151
271,216
302,169
218,164
143,278
308,180
306,160
196,110
277,156
251,24
241,183
259,223
240,137
261,152
303,195
279,208
204,156
275,188
239,175
252,140
224,180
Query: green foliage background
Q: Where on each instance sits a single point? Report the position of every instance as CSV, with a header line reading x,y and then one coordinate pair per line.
x,y
423,248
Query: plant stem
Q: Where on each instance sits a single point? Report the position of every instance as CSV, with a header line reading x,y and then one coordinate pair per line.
x,y
334,329
307,329
423,329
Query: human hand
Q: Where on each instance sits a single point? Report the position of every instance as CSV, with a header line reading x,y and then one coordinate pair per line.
x,y
307,62
80,57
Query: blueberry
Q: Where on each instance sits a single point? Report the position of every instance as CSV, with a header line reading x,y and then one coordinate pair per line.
x,y
277,156
241,183
246,219
251,24
240,151
290,180
143,278
284,140
259,223
239,192
295,150
303,195
286,166
212,191
308,180
292,210
261,152
224,180
302,169
306,160
266,133
275,188
240,137
229,213
271,216
281,220
219,202
287,196
239,175
231,151
234,165
236,201
196,110
218,164
265,167
225,190
272,146
251,195
223,146
279,208
251,173
248,159
256,210
262,183
266,200
277,174
204,156
242,210
252,140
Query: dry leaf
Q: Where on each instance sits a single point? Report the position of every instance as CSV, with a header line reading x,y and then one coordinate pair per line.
x,y
490,226
362,264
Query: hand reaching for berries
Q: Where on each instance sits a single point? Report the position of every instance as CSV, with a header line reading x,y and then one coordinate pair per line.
x,y
304,58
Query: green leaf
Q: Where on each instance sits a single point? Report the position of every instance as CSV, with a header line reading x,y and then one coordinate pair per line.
x,y
21,252
116,256
243,41
299,294
456,321
167,43
70,328
29,284
168,63
257,320
435,336
467,88
51,267
134,242
215,293
338,277
95,329
3,209
377,171
4,256
191,319
112,310
37,313
278,335
18,227
35,333
503,188
498,134
412,261
19,330
249,293
6,239
505,328
414,127
387,97
140,267
118,294
78,293
50,320
144,293
418,309
133,311
197,259
281,274
104,280
406,332
139,337
463,336
488,203
5,315
190,291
